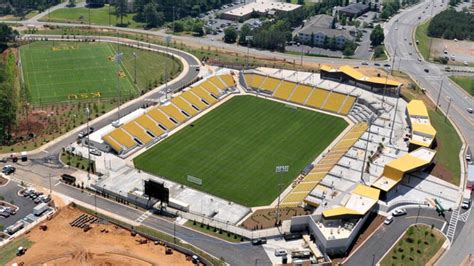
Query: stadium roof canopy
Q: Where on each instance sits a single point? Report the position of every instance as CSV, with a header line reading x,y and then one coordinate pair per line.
x,y
357,75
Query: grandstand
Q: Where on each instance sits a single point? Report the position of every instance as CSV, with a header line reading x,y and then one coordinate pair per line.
x,y
354,77
301,190
298,93
159,120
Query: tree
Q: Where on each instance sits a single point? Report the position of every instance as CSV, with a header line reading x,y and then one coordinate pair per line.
x,y
7,34
178,26
230,35
121,9
377,37
198,28
332,43
72,3
153,18
300,2
244,32
95,3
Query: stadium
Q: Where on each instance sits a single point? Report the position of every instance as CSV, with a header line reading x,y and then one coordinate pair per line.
x,y
263,150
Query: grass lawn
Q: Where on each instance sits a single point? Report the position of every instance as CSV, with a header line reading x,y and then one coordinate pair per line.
x,y
235,148
214,232
151,66
417,246
64,71
99,16
8,252
424,40
467,83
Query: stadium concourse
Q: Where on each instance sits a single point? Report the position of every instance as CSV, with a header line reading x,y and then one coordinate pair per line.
x,y
371,163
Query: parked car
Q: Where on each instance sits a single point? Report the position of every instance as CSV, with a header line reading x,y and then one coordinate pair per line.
x,y
8,170
399,212
388,220
470,110
365,63
427,70
280,252
259,241
96,152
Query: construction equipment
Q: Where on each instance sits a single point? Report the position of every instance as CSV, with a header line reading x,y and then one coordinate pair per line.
x,y
20,251
43,227
168,251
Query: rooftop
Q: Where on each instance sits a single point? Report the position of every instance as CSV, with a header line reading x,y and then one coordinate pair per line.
x,y
354,8
261,7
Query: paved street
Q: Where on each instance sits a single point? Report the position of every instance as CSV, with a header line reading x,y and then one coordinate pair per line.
x,y
376,246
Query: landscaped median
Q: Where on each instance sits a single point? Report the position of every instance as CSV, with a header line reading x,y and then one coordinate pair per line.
x,y
423,40
467,83
417,246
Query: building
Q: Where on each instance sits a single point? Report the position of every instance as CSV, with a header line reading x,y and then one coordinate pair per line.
x,y
350,75
335,225
353,10
319,29
422,132
262,8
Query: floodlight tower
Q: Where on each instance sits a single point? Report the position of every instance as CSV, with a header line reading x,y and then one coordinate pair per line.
x,y
280,169
118,60
370,121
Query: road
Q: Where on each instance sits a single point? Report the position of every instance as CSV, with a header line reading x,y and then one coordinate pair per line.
x,y
398,37
374,249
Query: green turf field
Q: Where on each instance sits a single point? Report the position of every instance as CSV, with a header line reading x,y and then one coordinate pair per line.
x,y
235,148
72,71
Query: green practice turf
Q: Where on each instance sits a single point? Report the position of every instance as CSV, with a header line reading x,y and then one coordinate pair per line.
x,y
71,71
234,149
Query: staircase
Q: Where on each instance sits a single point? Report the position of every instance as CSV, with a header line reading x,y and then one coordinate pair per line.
x,y
452,224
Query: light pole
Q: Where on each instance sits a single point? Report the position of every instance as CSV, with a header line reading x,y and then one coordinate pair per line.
x,y
118,60
371,119
248,39
395,113
168,40
89,9
302,54
88,144
280,169
439,94
135,55
50,188
449,105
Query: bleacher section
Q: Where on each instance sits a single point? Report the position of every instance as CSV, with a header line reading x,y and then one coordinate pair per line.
x,y
318,98
299,192
158,120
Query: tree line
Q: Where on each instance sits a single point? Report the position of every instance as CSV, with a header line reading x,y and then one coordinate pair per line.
x,y
8,92
451,24
22,7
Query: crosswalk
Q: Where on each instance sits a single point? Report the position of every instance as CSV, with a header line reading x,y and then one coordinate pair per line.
x,y
25,183
143,217
452,224
465,215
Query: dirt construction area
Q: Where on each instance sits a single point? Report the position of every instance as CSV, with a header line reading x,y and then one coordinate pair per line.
x,y
103,244
461,50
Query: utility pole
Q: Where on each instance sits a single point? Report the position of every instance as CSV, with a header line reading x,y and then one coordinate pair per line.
x,y
89,9
449,105
371,119
50,188
393,61
168,40
439,94
280,169
110,23
302,53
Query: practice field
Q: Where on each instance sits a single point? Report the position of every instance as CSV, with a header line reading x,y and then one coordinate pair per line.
x,y
62,71
234,149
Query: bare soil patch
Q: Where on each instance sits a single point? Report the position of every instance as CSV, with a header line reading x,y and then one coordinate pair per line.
x,y
103,244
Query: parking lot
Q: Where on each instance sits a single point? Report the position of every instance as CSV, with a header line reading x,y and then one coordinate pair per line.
x,y
10,195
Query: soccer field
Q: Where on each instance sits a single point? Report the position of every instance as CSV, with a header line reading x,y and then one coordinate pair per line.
x,y
234,149
68,71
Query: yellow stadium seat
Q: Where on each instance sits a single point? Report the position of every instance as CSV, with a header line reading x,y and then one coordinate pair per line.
x,y
254,80
204,94
174,112
317,98
300,94
228,80
150,125
211,88
135,130
123,138
183,105
304,187
216,81
113,143
161,118
346,107
334,102
270,84
284,90
190,97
